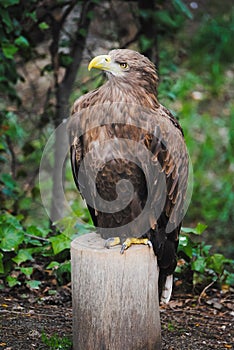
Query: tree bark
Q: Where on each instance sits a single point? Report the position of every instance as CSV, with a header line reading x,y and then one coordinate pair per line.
x,y
115,297
63,92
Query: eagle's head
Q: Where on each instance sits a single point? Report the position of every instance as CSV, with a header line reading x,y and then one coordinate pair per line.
x,y
129,67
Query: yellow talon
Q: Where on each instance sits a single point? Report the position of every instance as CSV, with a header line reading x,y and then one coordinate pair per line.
x,y
129,241
112,241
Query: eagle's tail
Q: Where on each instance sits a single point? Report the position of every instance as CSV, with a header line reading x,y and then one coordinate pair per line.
x,y
165,250
165,284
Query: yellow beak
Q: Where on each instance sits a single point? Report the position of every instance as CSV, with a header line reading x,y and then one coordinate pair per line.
x,y
102,62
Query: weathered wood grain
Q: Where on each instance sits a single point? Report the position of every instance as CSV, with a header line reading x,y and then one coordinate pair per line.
x,y
115,297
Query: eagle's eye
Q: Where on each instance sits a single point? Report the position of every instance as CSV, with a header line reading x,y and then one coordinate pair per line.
x,y
123,65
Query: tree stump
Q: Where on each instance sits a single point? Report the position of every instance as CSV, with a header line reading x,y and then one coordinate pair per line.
x,y
115,297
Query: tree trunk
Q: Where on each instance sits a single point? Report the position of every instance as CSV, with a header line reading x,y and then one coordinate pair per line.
x,y
115,297
63,92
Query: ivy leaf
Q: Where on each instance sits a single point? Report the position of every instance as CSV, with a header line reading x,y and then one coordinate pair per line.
x,y
217,261
37,231
11,237
11,220
33,284
22,41
12,281
43,26
53,265
185,246
230,279
32,15
199,264
64,272
198,230
9,50
22,256
27,271
60,243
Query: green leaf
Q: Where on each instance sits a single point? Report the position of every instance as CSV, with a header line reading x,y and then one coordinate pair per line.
x,y
60,243
183,241
32,15
22,256
7,3
9,50
8,181
185,246
22,41
198,230
43,26
83,32
10,219
12,281
230,279
206,249
7,20
33,284
52,265
216,262
199,264
65,60
11,237
164,18
2,270
63,273
181,7
145,42
37,231
90,14
27,271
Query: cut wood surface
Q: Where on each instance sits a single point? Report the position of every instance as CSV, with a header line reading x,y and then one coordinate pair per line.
x,y
115,296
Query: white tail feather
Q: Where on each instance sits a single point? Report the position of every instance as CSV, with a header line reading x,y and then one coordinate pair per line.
x,y
167,290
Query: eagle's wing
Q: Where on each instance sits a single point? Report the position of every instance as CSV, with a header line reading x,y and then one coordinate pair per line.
x,y
170,151
153,157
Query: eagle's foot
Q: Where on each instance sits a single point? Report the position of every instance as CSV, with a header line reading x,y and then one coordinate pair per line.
x,y
112,242
129,241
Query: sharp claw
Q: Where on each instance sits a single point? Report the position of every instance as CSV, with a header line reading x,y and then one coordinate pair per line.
x,y
111,242
123,247
107,243
150,245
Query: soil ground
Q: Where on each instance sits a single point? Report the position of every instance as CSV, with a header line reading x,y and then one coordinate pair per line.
x,y
188,323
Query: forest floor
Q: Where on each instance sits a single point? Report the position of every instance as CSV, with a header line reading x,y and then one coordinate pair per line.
x,y
42,322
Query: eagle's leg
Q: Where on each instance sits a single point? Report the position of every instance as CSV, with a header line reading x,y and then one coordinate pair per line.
x,y
129,241
113,241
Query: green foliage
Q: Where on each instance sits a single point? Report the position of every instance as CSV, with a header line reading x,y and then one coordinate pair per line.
x,y
167,18
205,267
214,38
20,246
56,342
206,112
12,40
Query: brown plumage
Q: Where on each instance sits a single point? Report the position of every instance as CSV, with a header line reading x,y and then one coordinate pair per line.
x,y
128,135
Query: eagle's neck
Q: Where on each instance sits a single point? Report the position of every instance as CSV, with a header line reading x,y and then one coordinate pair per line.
x,y
117,90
